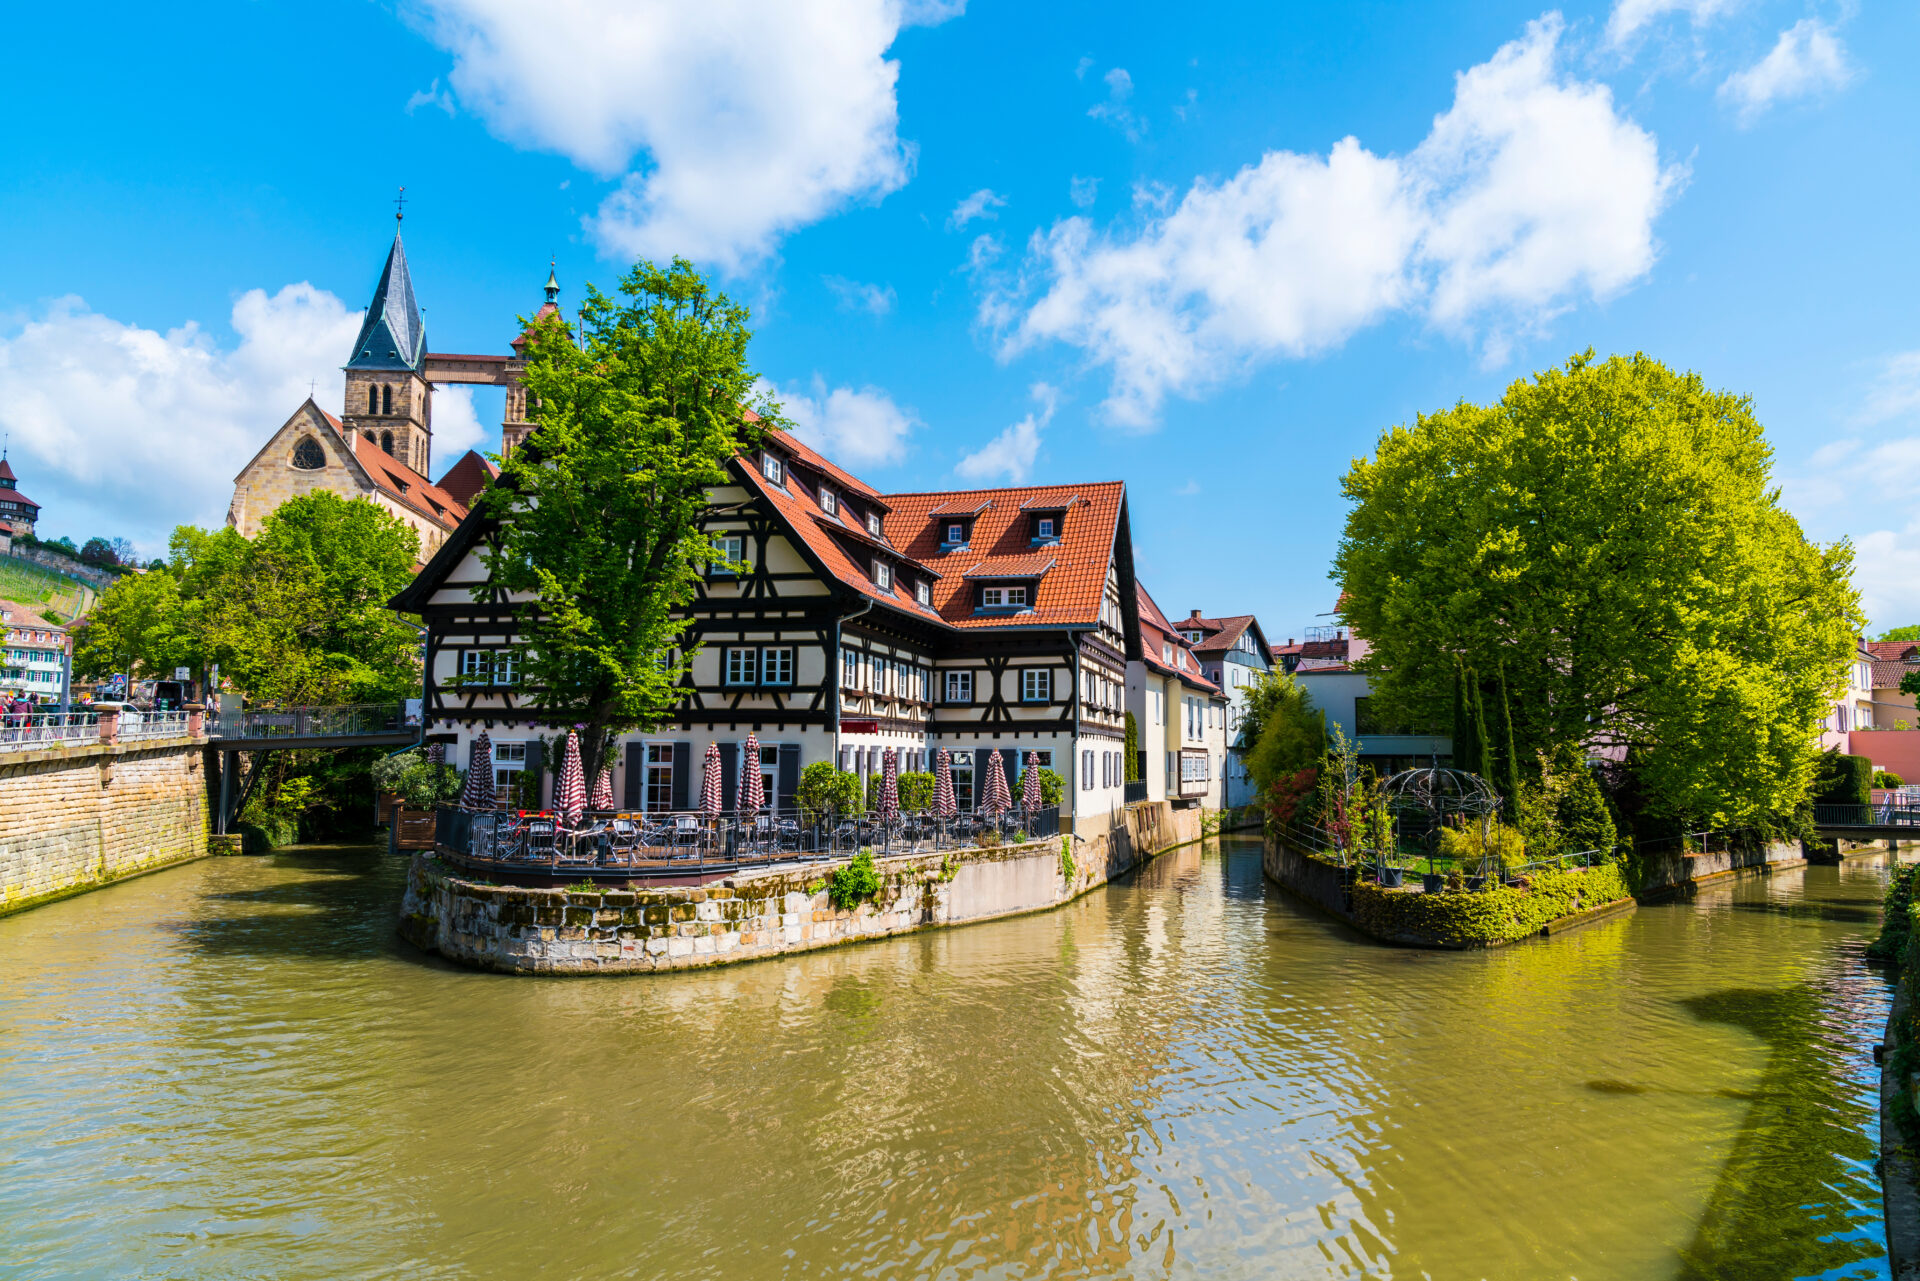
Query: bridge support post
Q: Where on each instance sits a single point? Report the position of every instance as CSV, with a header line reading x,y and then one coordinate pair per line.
x,y
228,762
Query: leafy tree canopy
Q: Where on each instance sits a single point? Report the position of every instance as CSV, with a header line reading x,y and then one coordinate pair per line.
x,y
1909,633
1607,536
601,514
1287,732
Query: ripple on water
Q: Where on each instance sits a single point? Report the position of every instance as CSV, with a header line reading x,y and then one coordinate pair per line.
x,y
238,1068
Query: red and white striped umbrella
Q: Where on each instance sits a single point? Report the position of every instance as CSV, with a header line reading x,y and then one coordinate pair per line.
x,y
944,806
753,792
570,792
889,786
1030,794
602,798
478,792
710,782
436,754
999,795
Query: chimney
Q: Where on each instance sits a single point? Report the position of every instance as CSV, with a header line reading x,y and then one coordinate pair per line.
x,y
1193,614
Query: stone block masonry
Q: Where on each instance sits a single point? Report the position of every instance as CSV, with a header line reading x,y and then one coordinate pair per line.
x,y
755,915
76,818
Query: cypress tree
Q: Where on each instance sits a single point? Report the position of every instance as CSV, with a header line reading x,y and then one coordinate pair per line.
x,y
1462,728
1482,746
1512,759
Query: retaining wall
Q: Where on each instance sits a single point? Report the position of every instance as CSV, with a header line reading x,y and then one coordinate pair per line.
x,y
76,818
750,916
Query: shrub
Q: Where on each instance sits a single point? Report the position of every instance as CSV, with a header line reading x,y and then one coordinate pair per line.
x,y
1497,915
1887,779
824,791
988,840
1500,845
854,883
1843,780
1052,787
416,780
1067,868
916,792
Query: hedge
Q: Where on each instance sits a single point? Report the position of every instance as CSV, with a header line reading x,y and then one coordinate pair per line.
x,y
1843,780
1481,918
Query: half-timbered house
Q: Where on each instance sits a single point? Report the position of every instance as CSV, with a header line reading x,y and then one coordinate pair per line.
x,y
839,623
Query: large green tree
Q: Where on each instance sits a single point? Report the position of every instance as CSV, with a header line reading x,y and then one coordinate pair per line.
x,y
1606,541
601,514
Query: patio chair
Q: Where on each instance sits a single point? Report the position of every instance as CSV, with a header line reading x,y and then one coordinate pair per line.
x,y
686,835
541,840
623,839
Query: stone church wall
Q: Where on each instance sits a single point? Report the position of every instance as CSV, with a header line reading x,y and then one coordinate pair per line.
x,y
74,819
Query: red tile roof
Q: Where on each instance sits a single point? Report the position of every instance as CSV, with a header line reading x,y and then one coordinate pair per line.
x,y
1157,636
405,485
467,477
1031,565
1893,650
969,506
1222,633
1068,593
18,615
806,456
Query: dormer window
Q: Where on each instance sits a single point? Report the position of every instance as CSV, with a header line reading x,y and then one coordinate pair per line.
x,y
829,502
1166,653
873,523
921,593
1003,597
773,469
1046,527
883,575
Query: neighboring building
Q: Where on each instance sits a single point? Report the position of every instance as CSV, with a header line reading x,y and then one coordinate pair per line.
x,y
1233,653
18,513
1892,660
36,655
1181,715
843,622
1853,709
1323,665
381,446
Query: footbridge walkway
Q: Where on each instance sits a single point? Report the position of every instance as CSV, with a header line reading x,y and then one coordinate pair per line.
x,y
306,729
1885,821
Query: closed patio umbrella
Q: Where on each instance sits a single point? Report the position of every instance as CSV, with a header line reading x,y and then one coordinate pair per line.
x,y
602,798
944,806
710,782
1030,794
753,792
999,795
570,792
436,754
889,786
478,792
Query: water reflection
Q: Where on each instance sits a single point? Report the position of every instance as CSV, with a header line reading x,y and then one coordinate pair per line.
x,y
239,1067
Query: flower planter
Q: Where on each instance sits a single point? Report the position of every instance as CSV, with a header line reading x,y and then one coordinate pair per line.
x,y
1391,878
1476,882
1433,882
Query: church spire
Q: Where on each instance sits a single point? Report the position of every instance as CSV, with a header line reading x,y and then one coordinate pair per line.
x,y
392,336
553,286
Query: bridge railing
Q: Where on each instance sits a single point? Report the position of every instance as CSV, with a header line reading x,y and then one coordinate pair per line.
x,y
308,722
26,731
136,726
1886,814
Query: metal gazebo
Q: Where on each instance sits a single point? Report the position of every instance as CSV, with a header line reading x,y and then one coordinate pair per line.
x,y
1436,793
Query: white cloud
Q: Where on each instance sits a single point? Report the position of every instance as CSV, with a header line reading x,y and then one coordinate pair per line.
x,y
755,117
1011,454
1115,110
456,425
980,204
854,428
121,430
432,96
1807,59
1083,191
855,295
1629,16
1886,569
1529,193
1897,389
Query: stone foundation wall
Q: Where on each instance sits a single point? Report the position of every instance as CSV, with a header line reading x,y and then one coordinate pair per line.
x,y
77,818
559,931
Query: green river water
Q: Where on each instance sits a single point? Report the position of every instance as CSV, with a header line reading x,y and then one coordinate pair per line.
x,y
235,1069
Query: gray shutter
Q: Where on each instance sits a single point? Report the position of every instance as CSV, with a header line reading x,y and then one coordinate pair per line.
x,y
729,774
789,773
982,758
536,761
682,775
636,771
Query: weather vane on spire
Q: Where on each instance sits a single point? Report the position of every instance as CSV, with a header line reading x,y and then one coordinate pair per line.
x,y
400,206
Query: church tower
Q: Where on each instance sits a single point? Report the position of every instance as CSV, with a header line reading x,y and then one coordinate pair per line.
x,y
389,400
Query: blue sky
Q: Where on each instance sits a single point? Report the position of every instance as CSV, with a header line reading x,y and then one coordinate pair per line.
x,y
987,242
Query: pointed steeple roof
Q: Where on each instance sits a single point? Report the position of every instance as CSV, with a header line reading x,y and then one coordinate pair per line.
x,y
393,335
6,472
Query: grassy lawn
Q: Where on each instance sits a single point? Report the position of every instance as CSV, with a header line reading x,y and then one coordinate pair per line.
x,y
42,589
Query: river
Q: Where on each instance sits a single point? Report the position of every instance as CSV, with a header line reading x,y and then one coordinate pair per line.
x,y
234,1069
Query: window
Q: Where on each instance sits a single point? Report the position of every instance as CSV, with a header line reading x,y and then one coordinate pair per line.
x,y
1045,527
1166,652
776,666
883,575
1036,685
922,594
386,444
476,664
873,524
1002,597
850,668
506,669
657,785
772,468
373,400
740,666
733,554
386,400
956,532
509,759
829,503
308,456
769,772
963,784
1086,771
959,687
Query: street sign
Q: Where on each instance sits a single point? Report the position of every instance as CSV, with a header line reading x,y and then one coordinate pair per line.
x,y
180,673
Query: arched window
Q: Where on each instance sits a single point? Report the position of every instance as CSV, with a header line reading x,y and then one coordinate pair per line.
x,y
308,456
386,441
373,399
386,400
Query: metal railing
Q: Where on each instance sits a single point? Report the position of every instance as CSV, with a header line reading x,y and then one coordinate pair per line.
x,y
623,843
1135,791
138,726
1888,813
308,722
24,731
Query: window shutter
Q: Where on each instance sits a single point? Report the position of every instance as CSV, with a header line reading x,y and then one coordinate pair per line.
x,y
729,774
789,773
536,758
682,775
982,759
636,768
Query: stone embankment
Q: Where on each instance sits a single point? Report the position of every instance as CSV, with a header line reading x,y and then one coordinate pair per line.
x,y
773,913
83,815
1554,903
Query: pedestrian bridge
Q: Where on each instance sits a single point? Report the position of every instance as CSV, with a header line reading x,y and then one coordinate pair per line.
x,y
312,728
1885,821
